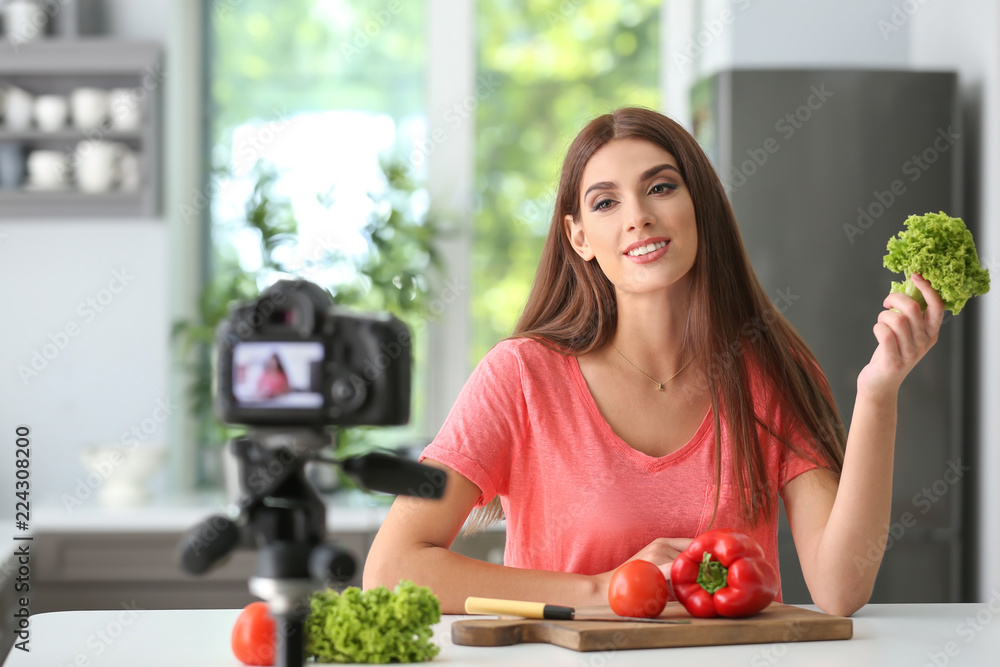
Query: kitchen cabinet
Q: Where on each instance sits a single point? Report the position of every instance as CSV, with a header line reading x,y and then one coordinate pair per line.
x,y
58,67
72,571
107,570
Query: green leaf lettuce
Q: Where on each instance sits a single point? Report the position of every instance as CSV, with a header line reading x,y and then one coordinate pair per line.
x,y
941,249
373,626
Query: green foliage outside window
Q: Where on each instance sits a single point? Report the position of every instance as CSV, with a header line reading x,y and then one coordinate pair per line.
x,y
270,59
269,66
544,68
552,65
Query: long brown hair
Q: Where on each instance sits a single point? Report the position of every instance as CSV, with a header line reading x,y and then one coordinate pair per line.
x,y
572,308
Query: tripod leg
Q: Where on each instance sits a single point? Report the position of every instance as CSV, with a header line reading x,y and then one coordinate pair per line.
x,y
290,649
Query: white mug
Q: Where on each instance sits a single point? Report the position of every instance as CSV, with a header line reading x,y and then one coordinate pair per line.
x,y
20,107
98,165
124,109
24,21
90,107
50,112
48,169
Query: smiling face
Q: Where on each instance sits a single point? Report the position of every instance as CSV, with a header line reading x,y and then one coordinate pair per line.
x,y
636,217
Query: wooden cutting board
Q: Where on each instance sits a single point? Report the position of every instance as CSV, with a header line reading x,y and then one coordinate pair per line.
x,y
777,623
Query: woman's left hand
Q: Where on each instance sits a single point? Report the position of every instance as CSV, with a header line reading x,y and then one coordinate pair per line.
x,y
905,334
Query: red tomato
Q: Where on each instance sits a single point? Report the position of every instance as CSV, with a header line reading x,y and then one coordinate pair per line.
x,y
638,588
253,635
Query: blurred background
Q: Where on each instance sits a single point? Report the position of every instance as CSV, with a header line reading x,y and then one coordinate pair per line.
x,y
405,155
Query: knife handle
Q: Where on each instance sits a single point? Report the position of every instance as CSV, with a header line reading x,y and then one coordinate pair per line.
x,y
475,605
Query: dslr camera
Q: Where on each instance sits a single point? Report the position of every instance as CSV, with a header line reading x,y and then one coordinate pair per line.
x,y
293,358
290,365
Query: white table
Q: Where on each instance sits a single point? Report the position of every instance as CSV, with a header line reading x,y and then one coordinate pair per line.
x,y
929,634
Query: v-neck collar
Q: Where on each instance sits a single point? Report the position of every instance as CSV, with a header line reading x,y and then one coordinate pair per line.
x,y
645,460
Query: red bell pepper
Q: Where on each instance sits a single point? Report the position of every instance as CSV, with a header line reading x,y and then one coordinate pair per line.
x,y
723,573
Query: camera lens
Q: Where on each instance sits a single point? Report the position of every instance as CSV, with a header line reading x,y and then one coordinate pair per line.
x,y
347,395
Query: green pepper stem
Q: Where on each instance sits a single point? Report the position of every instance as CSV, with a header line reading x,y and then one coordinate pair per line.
x,y
711,574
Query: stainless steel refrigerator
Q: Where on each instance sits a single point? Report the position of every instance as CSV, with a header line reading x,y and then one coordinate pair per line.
x,y
822,168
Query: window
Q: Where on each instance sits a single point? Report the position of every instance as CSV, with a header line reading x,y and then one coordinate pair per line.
x,y
320,87
549,66
316,93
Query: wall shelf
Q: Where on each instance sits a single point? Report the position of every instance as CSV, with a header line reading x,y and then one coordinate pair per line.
x,y
26,203
59,66
68,135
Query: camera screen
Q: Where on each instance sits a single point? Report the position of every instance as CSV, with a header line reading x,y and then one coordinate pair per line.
x,y
281,375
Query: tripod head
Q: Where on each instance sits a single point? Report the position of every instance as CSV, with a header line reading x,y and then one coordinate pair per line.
x,y
281,515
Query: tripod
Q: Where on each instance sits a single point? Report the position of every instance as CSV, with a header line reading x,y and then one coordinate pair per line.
x,y
282,516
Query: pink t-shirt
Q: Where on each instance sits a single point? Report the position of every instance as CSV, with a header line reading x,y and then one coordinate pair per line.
x,y
576,497
272,384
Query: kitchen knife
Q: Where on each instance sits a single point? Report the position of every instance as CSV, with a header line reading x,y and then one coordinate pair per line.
x,y
554,612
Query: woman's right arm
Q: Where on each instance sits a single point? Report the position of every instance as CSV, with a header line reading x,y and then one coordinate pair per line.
x,y
414,543
415,539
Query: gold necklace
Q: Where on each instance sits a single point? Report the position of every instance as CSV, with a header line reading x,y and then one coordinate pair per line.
x,y
659,385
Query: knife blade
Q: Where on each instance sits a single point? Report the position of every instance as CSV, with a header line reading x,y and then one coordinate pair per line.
x,y
474,605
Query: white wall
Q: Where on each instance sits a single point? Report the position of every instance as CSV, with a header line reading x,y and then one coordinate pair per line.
x,y
792,33
110,375
964,35
138,19
705,36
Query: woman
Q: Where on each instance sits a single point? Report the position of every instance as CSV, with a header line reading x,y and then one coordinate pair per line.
x,y
273,380
651,391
